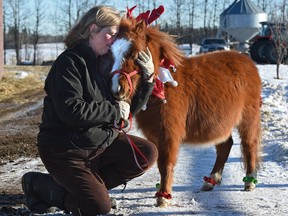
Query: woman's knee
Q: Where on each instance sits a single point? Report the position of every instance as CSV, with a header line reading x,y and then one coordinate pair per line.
x,y
95,208
89,204
151,153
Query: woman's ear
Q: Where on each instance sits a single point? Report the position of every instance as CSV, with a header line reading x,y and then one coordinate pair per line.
x,y
93,28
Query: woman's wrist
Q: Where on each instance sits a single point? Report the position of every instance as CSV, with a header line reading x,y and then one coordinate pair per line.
x,y
150,78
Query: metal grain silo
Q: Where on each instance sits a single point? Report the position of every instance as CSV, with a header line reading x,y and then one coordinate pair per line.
x,y
241,20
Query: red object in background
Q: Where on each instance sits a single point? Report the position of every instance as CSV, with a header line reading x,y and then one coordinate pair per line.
x,y
155,14
146,16
129,11
158,90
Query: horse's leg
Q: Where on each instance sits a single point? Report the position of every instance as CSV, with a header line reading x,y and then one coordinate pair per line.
x,y
222,151
250,134
168,151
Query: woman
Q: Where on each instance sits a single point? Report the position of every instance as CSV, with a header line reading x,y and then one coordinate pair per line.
x,y
84,155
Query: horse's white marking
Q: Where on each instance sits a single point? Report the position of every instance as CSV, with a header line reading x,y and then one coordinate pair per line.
x,y
119,49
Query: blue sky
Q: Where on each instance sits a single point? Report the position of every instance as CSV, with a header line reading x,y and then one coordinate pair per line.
x,y
168,16
52,5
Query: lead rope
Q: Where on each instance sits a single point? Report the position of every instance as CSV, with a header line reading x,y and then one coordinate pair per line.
x,y
135,150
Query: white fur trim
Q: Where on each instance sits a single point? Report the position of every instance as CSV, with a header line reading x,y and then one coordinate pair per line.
x,y
165,76
174,83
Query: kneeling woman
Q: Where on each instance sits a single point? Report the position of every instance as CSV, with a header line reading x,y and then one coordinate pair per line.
x,y
84,155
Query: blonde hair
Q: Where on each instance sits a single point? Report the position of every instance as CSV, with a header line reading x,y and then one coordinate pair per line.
x,y
102,16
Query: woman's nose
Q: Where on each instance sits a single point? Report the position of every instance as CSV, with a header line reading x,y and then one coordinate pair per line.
x,y
112,40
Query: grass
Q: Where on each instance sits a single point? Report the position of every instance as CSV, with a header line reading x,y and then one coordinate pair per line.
x,y
13,86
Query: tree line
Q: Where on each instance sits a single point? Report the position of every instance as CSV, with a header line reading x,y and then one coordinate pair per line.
x,y
189,20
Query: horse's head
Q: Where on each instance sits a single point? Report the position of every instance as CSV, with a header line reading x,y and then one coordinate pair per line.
x,y
134,36
126,73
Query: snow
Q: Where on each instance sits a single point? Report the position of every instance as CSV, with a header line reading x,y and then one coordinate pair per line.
x,y
21,74
269,198
45,52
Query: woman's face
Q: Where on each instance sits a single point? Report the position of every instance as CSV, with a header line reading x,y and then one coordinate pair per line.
x,y
101,41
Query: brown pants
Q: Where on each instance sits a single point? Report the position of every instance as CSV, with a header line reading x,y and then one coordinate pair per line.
x,y
87,175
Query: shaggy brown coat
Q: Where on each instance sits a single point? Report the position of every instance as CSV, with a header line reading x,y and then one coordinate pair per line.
x,y
217,92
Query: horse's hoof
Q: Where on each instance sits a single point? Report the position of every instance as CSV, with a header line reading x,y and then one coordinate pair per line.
x,y
207,187
249,183
210,182
249,186
163,202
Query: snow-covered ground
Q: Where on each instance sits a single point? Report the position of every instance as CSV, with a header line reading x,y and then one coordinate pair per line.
x,y
45,52
269,198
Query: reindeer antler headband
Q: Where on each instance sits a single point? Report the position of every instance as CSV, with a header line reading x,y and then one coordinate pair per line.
x,y
147,16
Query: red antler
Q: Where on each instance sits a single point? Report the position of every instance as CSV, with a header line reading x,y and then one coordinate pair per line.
x,y
155,14
143,16
129,11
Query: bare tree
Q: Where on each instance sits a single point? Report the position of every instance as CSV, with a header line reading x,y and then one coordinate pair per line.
x,y
279,29
284,12
17,16
215,14
56,26
178,12
16,21
69,13
264,4
140,6
205,18
38,17
4,32
191,15
281,40
66,12
81,7
154,6
72,10
1,40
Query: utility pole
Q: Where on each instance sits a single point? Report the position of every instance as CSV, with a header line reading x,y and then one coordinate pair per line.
x,y
1,40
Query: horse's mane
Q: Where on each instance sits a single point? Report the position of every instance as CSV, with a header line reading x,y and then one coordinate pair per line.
x,y
166,43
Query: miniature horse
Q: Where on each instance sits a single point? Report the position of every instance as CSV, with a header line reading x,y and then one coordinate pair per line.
x,y
216,92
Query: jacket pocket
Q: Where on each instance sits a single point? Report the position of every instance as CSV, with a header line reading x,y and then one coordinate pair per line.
x,y
93,137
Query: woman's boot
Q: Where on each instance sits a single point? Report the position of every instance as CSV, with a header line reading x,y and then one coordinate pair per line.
x,y
42,192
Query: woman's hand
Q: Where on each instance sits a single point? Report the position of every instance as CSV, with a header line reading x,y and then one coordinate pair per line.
x,y
146,63
124,108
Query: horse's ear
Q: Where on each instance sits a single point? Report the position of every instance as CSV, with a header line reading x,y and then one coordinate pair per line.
x,y
140,27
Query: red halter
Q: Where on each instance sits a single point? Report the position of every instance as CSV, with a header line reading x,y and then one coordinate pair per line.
x,y
128,77
136,151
